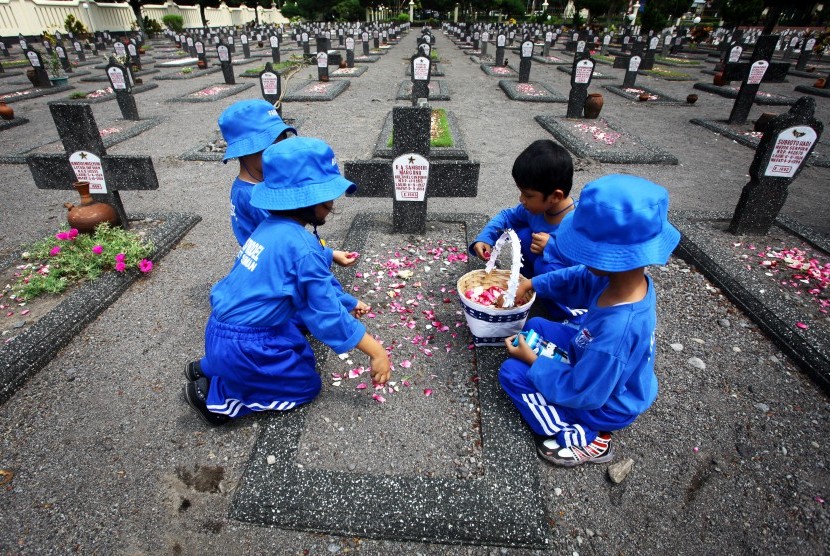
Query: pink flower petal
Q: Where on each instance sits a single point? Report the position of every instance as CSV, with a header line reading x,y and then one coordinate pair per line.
x,y
362,386
802,326
427,391
406,363
378,398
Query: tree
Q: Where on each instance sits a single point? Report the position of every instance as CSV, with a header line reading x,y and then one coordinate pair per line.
x,y
656,13
739,12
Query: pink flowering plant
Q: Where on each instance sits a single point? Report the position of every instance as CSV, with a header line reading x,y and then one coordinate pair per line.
x,y
55,263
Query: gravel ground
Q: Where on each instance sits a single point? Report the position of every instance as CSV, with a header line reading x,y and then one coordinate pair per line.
x,y
109,460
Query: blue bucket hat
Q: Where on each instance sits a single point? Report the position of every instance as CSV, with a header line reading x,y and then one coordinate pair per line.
x,y
299,172
620,223
250,126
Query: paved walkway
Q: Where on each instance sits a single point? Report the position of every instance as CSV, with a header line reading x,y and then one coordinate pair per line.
x,y
109,459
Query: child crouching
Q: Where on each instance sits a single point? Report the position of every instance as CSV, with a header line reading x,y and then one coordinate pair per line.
x,y
256,358
606,380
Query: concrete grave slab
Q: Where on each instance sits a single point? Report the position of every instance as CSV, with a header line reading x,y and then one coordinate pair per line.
x,y
112,133
356,71
633,93
744,134
383,146
438,90
14,122
26,94
498,71
493,498
213,93
813,91
191,75
111,95
730,91
713,72
38,342
532,91
759,292
105,79
366,59
553,60
317,91
604,140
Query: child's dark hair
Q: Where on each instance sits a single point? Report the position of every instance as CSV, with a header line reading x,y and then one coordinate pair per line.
x,y
545,167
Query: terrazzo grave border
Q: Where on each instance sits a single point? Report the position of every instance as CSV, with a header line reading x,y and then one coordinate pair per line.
x,y
405,91
34,348
773,314
645,154
230,91
135,129
501,508
513,90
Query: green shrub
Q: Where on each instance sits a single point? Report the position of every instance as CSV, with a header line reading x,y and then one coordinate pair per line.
x,y
402,18
151,27
78,94
74,26
173,22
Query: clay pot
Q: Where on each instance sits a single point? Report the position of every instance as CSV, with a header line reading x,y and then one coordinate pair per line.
x,y
138,80
643,97
201,64
6,111
343,64
324,78
763,121
86,216
820,83
719,80
259,44
691,99
811,69
593,106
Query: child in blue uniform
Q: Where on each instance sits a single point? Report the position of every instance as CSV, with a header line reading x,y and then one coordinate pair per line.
x,y
543,172
572,404
249,127
256,358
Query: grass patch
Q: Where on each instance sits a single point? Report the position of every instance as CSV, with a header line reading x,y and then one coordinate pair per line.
x,y
679,61
603,58
666,73
282,66
78,94
16,64
439,132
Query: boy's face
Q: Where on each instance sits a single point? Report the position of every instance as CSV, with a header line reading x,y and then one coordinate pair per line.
x,y
536,202
322,210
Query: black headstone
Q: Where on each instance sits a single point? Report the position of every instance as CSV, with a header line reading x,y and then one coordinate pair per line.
x,y
224,55
781,154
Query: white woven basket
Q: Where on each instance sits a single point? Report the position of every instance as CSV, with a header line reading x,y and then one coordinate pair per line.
x,y
491,325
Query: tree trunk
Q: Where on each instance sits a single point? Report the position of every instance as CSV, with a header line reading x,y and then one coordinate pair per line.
x,y
773,15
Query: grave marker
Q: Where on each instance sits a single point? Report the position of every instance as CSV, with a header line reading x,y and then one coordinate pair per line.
x,y
349,41
64,59
246,48
364,38
36,61
121,82
443,178
134,58
274,41
501,42
752,73
526,52
581,73
271,87
322,66
86,159
787,143
79,51
421,66
806,54
224,55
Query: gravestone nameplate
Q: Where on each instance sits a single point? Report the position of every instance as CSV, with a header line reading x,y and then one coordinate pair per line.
x,y
525,62
581,73
274,41
349,42
121,82
271,87
420,69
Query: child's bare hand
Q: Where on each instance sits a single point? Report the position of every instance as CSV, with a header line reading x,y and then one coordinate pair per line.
x,y
522,352
540,239
380,369
522,290
361,309
344,258
482,250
